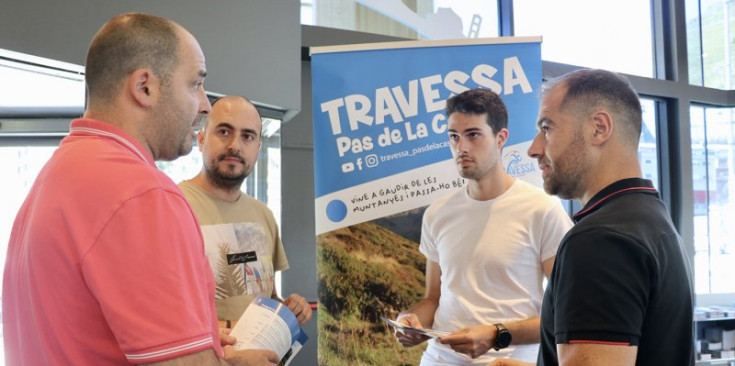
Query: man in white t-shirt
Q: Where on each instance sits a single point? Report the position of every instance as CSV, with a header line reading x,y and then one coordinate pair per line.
x,y
488,247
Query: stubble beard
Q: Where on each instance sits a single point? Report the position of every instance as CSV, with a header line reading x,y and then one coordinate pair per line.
x,y
174,118
476,171
567,179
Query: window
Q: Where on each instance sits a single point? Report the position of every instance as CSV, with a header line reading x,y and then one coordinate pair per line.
x,y
647,148
412,19
307,12
710,27
55,87
713,177
575,32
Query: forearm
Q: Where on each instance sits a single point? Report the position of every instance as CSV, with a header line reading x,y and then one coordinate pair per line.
x,y
525,331
424,310
477,340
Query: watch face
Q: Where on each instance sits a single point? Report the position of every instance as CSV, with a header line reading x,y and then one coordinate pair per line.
x,y
503,339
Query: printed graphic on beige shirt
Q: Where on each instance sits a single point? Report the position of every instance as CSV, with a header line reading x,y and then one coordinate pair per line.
x,y
240,259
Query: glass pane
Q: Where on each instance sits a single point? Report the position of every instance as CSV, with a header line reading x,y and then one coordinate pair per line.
x,y
19,169
612,35
479,18
713,164
307,12
50,88
183,168
694,42
412,19
647,148
710,27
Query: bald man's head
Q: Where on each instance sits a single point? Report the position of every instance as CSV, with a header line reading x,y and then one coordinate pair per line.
x,y
229,100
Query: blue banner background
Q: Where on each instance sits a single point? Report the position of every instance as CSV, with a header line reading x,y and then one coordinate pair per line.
x,y
337,75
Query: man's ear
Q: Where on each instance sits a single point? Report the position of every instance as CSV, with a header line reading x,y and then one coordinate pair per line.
x,y
502,137
200,139
143,86
602,127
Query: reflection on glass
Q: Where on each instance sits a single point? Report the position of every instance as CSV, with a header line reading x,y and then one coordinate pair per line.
x,y
479,18
412,19
710,30
612,35
713,177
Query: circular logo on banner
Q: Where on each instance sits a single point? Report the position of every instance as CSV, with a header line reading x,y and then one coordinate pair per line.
x,y
336,210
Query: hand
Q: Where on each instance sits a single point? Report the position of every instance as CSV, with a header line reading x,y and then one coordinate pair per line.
x,y
225,339
300,307
409,339
509,362
250,357
473,341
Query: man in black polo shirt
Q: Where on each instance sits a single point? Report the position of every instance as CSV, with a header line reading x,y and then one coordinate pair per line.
x,y
620,292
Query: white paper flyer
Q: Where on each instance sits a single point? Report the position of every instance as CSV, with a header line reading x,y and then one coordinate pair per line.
x,y
269,324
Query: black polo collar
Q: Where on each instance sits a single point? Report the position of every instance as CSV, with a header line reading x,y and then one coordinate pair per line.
x,y
617,189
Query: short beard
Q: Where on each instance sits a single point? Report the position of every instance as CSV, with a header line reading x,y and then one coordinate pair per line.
x,y
568,180
570,189
226,180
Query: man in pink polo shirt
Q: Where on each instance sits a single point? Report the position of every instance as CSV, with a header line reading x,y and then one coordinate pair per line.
x,y
106,263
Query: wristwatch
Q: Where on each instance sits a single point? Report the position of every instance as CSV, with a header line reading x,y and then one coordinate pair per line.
x,y
503,338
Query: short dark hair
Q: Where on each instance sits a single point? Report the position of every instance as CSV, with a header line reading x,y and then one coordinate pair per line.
x,y
591,88
480,101
126,43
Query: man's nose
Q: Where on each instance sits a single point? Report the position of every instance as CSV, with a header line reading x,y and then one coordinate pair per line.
x,y
204,106
536,147
462,145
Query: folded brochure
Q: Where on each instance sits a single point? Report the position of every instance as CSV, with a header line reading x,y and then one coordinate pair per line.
x,y
433,333
269,324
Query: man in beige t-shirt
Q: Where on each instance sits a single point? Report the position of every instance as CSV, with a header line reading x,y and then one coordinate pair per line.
x,y
240,233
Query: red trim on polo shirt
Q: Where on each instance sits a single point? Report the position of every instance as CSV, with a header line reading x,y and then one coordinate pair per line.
x,y
580,341
603,199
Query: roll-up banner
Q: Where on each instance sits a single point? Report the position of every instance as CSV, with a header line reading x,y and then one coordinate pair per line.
x,y
381,155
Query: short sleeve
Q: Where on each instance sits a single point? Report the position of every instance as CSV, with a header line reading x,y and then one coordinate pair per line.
x,y
601,286
555,225
280,261
427,246
148,271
